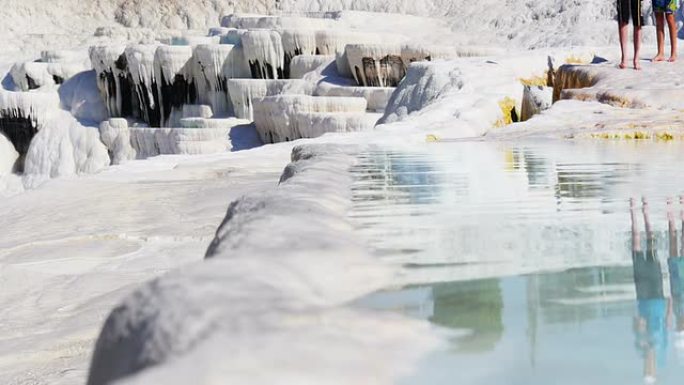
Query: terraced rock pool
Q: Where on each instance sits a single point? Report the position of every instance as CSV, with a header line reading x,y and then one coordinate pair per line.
x,y
550,262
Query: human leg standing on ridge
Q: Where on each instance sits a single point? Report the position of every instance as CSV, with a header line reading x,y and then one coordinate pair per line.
x,y
665,11
629,9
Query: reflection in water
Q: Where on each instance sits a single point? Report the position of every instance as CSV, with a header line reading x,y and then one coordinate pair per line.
x,y
579,318
526,252
655,311
471,305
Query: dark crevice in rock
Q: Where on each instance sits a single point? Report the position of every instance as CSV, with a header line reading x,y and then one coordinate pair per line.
x,y
288,62
31,83
264,72
176,93
20,130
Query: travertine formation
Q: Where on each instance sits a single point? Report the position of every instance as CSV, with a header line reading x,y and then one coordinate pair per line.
x,y
251,57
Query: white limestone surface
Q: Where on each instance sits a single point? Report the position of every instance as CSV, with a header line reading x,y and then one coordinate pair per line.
x,y
115,135
303,64
275,116
573,119
160,332
535,100
264,53
73,248
657,85
8,156
376,97
244,92
196,136
64,147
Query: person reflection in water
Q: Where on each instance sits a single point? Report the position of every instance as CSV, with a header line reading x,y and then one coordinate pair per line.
x,y
676,266
650,324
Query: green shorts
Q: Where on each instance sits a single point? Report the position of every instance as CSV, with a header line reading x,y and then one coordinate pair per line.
x,y
665,6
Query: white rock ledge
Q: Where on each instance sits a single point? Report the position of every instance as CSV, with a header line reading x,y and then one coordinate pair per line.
x,y
279,274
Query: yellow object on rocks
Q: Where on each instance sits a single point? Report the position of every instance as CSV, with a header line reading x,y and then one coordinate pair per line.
x,y
507,106
431,138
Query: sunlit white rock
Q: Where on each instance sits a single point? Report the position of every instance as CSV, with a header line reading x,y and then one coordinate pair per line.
x,y
213,66
233,36
248,21
32,75
116,137
274,116
376,65
195,136
173,68
303,64
423,52
64,147
23,114
264,53
140,60
197,111
377,97
297,42
315,124
243,92
110,65
8,155
535,100
196,40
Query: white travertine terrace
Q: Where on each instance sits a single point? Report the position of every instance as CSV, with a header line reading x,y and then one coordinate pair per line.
x,y
111,72
303,64
8,155
377,97
140,61
173,69
275,116
115,135
535,100
264,53
172,330
315,124
195,136
244,92
32,75
607,84
296,42
376,65
213,66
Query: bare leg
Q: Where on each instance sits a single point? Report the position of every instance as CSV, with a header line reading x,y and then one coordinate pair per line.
x,y
647,223
637,46
636,241
672,229
660,33
622,29
681,217
650,366
672,26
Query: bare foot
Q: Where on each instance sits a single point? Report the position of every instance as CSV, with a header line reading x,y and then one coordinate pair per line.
x,y
637,66
622,65
659,57
672,59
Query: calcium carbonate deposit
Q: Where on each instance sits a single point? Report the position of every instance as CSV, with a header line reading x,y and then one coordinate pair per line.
x,y
175,181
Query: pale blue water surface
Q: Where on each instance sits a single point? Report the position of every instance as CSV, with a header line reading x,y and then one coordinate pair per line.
x,y
529,253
